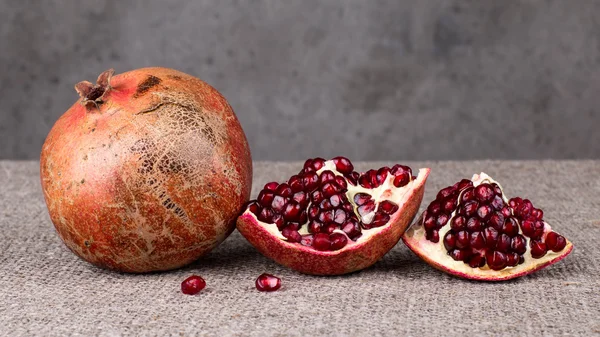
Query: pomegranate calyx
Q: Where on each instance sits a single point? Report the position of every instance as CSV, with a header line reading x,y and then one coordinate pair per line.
x,y
93,94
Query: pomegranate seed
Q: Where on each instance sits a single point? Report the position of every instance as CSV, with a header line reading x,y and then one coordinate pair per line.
x,y
518,244
348,207
537,214
339,216
496,220
326,176
430,222
308,163
318,163
326,216
314,227
388,207
321,242
316,197
442,220
292,211
335,200
477,240
506,212
295,183
278,220
278,203
338,241
307,240
272,186
538,229
401,180
510,227
484,212
399,169
361,198
353,178
268,282
477,261
555,241
343,165
330,189
380,219
449,241
484,193
310,181
512,259
444,193
464,184
372,174
460,255
351,228
515,202
432,236
524,209
497,189
313,211
265,198
325,205
491,237
329,228
458,223
538,249
266,215
301,198
449,205
497,203
284,190
470,208
293,225
474,225
192,285
341,182
382,173
467,195
503,244
434,208
254,207
495,260
291,234
366,208
462,239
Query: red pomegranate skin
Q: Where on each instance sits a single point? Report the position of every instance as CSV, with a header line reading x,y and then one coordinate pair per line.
x,y
150,179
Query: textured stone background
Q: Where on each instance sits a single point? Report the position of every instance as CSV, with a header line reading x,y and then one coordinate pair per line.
x,y
395,79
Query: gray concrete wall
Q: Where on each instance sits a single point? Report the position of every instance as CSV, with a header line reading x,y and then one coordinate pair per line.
x,y
394,80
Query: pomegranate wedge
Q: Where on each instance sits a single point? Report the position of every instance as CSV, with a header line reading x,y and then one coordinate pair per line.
x,y
329,219
473,231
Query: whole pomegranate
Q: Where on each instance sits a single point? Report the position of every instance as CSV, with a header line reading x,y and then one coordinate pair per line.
x,y
147,172
329,219
472,230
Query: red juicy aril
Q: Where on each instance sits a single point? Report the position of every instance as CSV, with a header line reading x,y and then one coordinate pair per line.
x,y
473,231
147,171
329,219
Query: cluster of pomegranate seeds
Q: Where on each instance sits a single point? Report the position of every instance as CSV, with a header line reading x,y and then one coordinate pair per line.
x,y
192,285
267,282
484,229
315,207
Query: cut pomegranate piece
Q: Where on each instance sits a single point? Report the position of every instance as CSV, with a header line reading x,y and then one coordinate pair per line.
x,y
344,220
267,282
485,236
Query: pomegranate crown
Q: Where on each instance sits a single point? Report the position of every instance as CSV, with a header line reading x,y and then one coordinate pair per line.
x,y
93,94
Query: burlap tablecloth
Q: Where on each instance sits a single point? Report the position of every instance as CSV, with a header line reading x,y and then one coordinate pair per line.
x,y
46,291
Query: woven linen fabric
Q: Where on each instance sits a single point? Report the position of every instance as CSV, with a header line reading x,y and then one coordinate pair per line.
x,y
45,290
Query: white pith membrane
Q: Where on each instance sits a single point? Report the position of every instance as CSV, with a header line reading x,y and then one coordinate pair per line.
x,y
386,191
414,237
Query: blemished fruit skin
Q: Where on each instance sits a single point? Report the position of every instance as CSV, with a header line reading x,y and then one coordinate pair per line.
x,y
148,171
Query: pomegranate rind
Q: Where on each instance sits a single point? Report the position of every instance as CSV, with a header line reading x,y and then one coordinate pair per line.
x,y
151,179
353,257
435,255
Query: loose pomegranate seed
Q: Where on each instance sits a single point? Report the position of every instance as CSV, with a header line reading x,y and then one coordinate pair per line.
x,y
495,260
538,249
267,282
555,242
192,285
321,242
